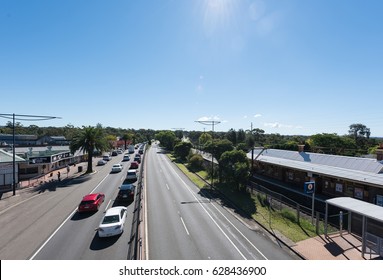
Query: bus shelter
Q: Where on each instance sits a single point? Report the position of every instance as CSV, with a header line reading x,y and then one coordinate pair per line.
x,y
366,210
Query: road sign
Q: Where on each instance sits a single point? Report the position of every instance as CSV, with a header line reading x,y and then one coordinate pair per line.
x,y
309,187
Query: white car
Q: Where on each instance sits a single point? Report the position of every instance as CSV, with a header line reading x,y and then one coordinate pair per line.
x,y
113,222
117,167
132,175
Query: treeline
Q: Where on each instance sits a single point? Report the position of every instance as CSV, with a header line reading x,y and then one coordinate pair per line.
x,y
356,143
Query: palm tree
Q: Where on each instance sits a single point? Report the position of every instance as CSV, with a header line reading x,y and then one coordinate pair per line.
x,y
88,140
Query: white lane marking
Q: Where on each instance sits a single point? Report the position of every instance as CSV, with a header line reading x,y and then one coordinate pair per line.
x,y
167,186
186,229
199,202
62,224
107,206
240,232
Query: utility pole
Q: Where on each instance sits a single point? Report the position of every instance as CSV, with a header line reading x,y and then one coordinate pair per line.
x,y
24,118
212,123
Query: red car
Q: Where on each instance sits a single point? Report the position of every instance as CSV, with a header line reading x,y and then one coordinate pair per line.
x,y
91,202
134,165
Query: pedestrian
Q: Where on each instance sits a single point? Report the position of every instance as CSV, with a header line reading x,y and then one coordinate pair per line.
x,y
58,176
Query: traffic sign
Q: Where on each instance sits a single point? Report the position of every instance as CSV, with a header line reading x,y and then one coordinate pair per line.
x,y
309,187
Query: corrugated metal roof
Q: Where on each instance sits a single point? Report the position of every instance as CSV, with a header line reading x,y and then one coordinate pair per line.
x,y
6,157
358,206
351,163
307,165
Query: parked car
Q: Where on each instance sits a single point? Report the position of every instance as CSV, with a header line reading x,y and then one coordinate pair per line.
x,y
134,165
126,191
91,202
101,162
126,157
132,175
113,222
117,167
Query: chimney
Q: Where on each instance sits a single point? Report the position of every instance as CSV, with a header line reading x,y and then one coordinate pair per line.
x,y
301,148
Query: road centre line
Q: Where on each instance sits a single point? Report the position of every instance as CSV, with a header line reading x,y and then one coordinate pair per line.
x,y
199,202
62,224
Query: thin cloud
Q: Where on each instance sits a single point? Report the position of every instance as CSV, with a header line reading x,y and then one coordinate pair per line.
x,y
257,115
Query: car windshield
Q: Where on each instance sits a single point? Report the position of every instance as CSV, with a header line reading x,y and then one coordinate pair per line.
x,y
86,202
111,219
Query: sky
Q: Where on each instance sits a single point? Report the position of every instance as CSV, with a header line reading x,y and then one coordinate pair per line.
x,y
293,67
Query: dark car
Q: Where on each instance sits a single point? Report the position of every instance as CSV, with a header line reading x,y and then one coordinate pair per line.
x,y
126,191
91,202
137,158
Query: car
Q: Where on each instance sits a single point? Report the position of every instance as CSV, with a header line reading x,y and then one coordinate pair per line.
x,y
101,162
134,165
106,157
126,191
126,157
132,175
114,153
117,167
91,202
113,222
137,158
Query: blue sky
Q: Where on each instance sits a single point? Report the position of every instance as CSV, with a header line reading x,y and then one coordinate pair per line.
x,y
287,66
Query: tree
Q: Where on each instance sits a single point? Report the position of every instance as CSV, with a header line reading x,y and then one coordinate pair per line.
x,y
182,149
360,133
167,139
218,147
231,135
196,162
241,136
204,139
88,140
127,137
234,166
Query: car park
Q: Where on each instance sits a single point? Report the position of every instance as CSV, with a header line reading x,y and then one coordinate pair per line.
x,y
117,167
113,222
126,191
91,202
132,175
134,165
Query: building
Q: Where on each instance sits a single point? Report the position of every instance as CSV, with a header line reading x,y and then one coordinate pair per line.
x,y
6,169
334,176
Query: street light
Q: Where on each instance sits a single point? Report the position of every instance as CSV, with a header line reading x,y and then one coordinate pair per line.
x,y
212,123
23,118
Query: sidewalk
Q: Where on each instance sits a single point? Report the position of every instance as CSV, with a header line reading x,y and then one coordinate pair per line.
x,y
337,247
7,199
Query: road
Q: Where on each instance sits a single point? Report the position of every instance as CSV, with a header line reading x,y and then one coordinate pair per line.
x,y
184,223
47,226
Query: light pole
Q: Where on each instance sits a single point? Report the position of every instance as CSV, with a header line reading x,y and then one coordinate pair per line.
x,y
212,123
23,118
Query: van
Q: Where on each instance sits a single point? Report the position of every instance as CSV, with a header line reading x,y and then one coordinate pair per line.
x,y
106,157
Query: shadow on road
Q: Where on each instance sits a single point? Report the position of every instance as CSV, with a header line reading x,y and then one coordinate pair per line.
x,y
102,243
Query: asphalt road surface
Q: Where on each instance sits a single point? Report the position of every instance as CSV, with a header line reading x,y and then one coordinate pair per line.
x,y
184,223
47,225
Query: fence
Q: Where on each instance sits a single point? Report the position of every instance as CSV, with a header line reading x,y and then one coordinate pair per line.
x,y
135,242
298,211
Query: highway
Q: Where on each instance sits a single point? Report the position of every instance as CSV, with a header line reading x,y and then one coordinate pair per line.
x,y
47,225
184,224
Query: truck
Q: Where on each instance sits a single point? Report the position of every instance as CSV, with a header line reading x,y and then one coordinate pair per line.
x,y
131,149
